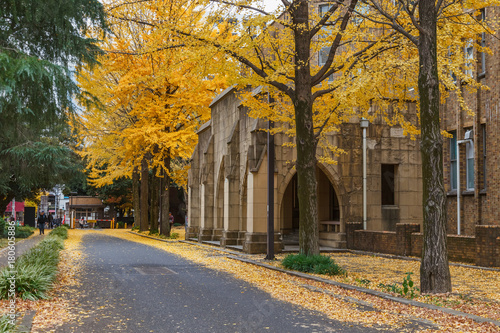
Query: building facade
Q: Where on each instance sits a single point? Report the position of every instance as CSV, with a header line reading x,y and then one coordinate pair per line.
x,y
478,158
227,185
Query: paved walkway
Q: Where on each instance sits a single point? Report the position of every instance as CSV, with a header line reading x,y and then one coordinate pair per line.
x,y
21,247
132,287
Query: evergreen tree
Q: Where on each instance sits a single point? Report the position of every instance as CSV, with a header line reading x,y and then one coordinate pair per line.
x,y
41,41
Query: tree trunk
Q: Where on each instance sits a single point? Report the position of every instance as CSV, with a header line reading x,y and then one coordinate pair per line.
x,y
144,194
434,269
306,141
4,201
136,197
154,203
165,201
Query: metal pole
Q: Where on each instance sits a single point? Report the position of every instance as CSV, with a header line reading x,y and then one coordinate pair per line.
x,y
458,180
270,188
458,186
270,193
364,125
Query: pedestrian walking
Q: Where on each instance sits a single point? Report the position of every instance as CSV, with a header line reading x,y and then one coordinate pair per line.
x,y
41,222
51,221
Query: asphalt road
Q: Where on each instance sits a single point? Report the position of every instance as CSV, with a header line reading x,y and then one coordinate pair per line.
x,y
130,287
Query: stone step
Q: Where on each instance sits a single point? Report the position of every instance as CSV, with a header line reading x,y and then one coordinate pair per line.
x,y
333,244
333,236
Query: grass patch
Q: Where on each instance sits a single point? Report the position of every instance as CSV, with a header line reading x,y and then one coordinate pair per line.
x,y
61,232
36,269
317,264
5,325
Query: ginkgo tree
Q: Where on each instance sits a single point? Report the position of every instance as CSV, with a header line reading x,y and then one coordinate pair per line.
x,y
144,103
439,31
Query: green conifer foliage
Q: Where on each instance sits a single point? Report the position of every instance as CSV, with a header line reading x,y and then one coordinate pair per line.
x,y
41,42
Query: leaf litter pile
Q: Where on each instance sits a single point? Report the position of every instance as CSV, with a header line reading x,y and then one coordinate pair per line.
x,y
474,291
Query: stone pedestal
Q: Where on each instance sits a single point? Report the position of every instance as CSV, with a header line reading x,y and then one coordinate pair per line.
x,y
205,235
229,238
256,242
192,232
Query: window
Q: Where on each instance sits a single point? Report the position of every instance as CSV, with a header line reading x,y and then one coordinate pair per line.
x,y
469,57
323,9
482,70
453,161
323,55
388,185
483,132
469,153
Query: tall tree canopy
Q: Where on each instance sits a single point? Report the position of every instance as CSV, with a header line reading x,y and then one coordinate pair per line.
x,y
40,43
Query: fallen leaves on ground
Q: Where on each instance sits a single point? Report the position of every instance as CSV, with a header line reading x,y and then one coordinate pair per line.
x,y
338,303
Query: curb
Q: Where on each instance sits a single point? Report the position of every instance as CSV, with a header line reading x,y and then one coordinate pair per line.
x,y
151,237
372,292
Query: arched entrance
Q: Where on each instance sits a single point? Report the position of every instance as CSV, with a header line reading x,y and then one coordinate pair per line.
x,y
328,208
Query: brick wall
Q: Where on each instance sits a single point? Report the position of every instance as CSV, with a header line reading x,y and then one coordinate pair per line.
x,y
376,241
487,251
482,249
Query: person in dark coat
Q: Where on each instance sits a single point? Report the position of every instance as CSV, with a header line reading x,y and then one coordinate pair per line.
x,y
41,222
51,221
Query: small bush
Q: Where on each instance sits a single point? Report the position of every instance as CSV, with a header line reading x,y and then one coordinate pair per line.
x,y
60,232
317,264
135,228
121,224
65,226
21,232
174,235
407,290
177,224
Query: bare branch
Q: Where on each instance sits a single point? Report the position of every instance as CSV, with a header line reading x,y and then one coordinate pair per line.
x,y
320,129
260,72
145,52
242,6
320,75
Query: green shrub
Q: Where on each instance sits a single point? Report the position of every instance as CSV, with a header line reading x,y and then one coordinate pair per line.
x,y
317,264
174,235
177,224
36,269
65,226
5,325
60,232
135,228
121,224
21,232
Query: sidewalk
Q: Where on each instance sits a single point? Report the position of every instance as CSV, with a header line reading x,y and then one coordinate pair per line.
x,y
21,247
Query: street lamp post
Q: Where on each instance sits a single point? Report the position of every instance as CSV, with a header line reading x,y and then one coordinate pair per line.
x,y
364,125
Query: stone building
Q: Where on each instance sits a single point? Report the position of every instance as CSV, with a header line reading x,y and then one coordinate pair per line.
x,y
227,185
478,158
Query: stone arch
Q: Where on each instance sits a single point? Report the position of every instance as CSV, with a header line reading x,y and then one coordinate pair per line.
x,y
287,205
219,199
